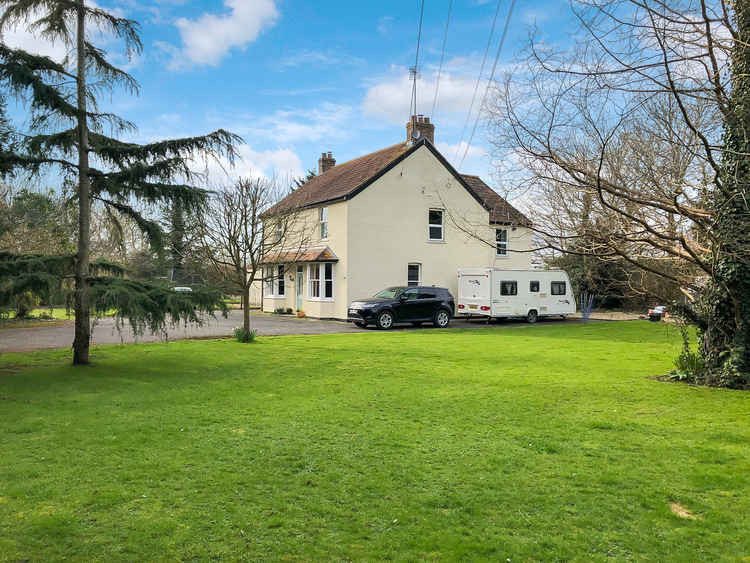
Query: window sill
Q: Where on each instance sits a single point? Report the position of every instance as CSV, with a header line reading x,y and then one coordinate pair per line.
x,y
435,241
501,256
321,299
274,297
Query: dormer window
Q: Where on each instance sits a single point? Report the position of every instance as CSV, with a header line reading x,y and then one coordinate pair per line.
x,y
435,219
323,223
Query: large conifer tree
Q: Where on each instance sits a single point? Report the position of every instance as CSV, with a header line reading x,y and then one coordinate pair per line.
x,y
67,132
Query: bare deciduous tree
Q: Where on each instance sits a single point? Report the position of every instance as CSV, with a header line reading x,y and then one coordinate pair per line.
x,y
643,126
237,238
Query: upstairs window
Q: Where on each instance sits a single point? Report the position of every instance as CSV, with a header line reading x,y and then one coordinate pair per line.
x,y
323,223
279,232
534,287
508,288
435,219
413,274
501,242
557,288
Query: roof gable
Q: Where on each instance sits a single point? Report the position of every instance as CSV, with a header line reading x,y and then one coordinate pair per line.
x,y
346,180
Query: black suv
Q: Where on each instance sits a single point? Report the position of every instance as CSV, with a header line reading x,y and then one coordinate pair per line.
x,y
414,305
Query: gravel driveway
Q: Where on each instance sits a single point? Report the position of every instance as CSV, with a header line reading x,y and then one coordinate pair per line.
x,y
60,335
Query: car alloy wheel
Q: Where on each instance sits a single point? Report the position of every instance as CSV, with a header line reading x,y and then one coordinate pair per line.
x,y
385,320
442,319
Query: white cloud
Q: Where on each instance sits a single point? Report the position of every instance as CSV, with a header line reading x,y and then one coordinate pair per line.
x,y
21,37
206,40
318,58
385,24
389,97
281,163
298,125
455,152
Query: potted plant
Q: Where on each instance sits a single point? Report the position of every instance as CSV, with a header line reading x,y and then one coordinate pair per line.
x,y
300,314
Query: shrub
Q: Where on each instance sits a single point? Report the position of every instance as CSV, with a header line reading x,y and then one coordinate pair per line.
x,y
244,336
25,303
278,311
689,364
289,310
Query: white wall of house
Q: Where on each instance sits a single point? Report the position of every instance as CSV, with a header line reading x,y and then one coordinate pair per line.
x,y
384,228
336,240
389,229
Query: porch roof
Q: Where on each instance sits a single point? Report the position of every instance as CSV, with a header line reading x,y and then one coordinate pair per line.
x,y
314,254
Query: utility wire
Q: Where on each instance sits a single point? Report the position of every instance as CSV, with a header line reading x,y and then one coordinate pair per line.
x,y
413,105
489,82
442,58
479,79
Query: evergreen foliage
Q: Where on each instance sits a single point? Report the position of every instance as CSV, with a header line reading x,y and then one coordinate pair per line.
x,y
724,310
66,132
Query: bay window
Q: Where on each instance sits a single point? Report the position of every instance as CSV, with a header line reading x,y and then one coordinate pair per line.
x,y
320,282
273,279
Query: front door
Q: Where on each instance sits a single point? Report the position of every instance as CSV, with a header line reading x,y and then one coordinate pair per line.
x,y
300,285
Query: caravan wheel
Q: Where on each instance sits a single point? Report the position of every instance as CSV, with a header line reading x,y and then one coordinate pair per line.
x,y
532,317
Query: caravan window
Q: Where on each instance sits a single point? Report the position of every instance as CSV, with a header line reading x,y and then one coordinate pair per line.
x,y
534,287
508,288
557,288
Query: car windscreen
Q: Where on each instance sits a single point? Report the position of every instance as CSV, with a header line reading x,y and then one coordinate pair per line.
x,y
389,293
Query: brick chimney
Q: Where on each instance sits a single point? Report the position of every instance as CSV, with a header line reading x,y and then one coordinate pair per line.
x,y
423,126
326,162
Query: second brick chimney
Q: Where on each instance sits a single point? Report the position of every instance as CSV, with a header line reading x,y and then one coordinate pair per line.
x,y
422,125
326,162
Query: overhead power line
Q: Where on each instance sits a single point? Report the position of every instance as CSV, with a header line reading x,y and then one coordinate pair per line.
x,y
489,82
479,79
442,58
415,70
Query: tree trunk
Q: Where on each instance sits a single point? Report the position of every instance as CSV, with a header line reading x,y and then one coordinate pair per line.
x,y
82,338
726,338
246,308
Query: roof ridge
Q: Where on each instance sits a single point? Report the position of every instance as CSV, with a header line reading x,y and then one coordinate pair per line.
x,y
369,154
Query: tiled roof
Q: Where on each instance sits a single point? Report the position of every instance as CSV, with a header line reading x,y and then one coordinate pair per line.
x,y
500,210
339,181
348,178
314,254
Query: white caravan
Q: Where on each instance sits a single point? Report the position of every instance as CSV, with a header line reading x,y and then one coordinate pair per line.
x,y
529,294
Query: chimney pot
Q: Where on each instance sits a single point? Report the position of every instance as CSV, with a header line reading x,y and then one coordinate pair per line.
x,y
421,124
326,162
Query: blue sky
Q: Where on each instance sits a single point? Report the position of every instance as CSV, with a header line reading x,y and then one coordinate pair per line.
x,y
298,78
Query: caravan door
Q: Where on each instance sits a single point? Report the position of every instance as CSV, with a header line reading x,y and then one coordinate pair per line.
x,y
474,292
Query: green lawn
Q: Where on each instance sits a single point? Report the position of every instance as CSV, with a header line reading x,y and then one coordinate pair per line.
x,y
521,443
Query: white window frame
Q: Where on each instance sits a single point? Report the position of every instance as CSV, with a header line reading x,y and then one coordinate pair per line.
x,y
441,225
321,279
504,244
271,280
419,276
323,220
